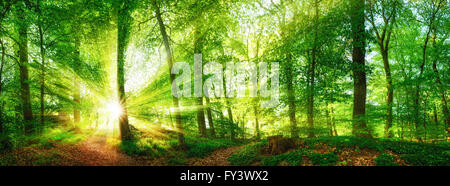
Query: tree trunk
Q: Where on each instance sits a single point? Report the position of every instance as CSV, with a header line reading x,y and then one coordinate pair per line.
x,y
390,94
257,133
76,82
291,97
441,92
123,32
210,119
172,76
23,69
42,51
310,104
359,128
333,122
227,102
422,65
1,83
201,117
200,110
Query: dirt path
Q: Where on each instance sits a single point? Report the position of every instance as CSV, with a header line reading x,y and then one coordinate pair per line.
x,y
217,158
96,152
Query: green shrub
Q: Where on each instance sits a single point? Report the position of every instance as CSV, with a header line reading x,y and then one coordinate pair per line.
x,y
201,147
176,161
141,147
248,154
5,143
385,159
293,158
325,159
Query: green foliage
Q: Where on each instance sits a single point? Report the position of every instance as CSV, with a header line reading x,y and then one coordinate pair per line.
x,y
176,161
347,142
143,146
201,147
293,158
247,154
326,159
385,159
5,143
414,153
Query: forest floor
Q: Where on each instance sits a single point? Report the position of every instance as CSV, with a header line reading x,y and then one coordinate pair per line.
x,y
329,151
96,151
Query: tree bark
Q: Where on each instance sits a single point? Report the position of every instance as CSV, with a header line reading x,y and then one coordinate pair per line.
x,y
42,51
123,32
1,83
23,69
76,83
229,111
201,117
359,128
441,92
257,132
383,39
210,119
175,100
291,97
422,65
200,109
310,100
390,95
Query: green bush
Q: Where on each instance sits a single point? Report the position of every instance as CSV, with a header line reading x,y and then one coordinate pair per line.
x,y
385,159
248,154
176,161
145,147
201,147
5,143
325,159
293,158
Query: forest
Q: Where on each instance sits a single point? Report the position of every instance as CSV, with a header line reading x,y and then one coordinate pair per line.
x,y
224,83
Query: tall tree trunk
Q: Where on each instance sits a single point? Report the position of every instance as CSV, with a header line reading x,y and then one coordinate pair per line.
x,y
359,128
76,83
199,100
310,99
201,117
228,106
383,39
390,94
23,69
441,92
210,119
327,115
333,121
172,76
256,100
42,51
431,26
1,83
291,97
123,32
257,132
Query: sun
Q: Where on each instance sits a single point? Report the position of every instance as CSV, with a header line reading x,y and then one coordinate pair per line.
x,y
114,109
